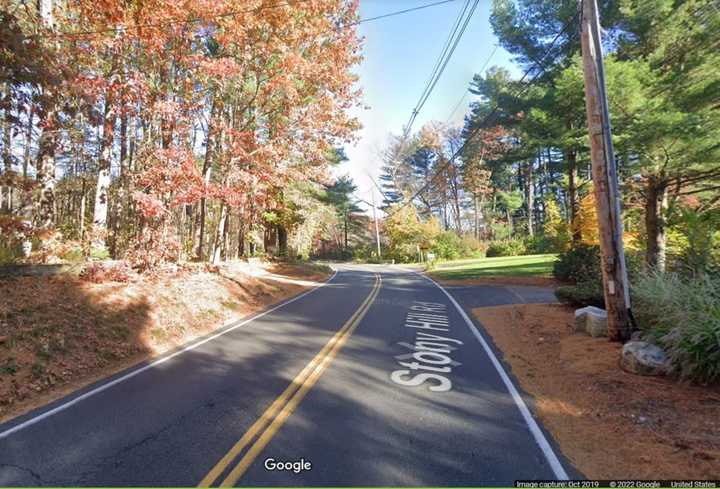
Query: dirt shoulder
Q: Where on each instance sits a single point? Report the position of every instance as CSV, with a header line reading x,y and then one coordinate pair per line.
x,y
609,423
58,334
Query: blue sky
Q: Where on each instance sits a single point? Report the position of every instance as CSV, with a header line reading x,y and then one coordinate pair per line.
x,y
399,55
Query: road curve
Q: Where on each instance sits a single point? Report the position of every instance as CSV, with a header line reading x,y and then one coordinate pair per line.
x,y
376,378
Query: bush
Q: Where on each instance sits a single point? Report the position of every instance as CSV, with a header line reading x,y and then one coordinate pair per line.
x,y
506,247
581,295
582,264
10,252
13,233
106,272
579,264
683,316
541,244
449,246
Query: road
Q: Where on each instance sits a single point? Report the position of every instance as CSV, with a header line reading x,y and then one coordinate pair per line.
x,y
375,378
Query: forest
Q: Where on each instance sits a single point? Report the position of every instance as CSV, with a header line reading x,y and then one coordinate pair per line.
x,y
170,131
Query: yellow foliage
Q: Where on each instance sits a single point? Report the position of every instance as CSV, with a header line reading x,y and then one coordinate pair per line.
x,y
586,220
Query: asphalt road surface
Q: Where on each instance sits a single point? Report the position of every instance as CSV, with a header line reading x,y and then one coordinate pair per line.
x,y
375,378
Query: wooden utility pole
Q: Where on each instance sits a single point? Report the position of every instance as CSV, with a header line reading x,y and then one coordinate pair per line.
x,y
377,228
604,175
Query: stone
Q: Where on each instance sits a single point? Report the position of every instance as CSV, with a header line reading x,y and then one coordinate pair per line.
x,y
592,320
643,358
636,336
597,325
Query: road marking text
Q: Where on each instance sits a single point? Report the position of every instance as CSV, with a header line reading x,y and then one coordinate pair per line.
x,y
429,359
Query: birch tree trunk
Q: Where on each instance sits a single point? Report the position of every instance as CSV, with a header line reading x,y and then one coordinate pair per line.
x,y
100,211
220,234
529,197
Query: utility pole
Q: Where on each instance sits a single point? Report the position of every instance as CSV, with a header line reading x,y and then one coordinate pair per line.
x,y
377,228
604,175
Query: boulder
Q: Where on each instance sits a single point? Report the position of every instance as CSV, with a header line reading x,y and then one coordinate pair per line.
x,y
592,320
643,358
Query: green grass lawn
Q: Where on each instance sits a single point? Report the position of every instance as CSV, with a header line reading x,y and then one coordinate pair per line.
x,y
502,266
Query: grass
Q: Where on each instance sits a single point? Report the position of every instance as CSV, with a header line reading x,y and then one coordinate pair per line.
x,y
502,266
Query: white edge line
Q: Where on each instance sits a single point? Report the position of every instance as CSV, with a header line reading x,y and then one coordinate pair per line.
x,y
537,433
157,362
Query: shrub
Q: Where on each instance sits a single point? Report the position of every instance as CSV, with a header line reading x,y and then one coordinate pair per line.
x,y
579,264
701,251
582,264
448,246
582,294
506,247
474,247
13,233
106,272
541,244
10,252
152,248
683,316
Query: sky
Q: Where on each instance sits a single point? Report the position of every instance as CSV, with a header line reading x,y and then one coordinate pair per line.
x,y
399,55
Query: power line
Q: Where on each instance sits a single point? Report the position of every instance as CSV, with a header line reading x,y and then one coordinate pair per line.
x,y
465,94
399,12
229,14
443,64
485,120
441,57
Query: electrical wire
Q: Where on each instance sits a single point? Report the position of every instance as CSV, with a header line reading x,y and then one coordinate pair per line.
x,y
443,64
439,61
485,120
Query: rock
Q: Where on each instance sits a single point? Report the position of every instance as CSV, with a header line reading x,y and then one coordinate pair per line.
x,y
636,336
592,320
597,325
643,358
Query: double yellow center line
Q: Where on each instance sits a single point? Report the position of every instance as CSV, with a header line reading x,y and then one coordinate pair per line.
x,y
280,410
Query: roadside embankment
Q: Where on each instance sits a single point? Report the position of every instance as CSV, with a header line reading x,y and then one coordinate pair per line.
x,y
59,333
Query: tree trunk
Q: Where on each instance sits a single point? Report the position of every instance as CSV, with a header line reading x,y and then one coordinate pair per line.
x,y
207,167
100,211
28,140
282,240
345,222
7,147
82,213
529,196
241,238
220,234
573,203
477,216
45,204
656,204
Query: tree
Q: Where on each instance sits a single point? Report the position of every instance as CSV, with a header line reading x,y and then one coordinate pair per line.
x,y
187,124
340,196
